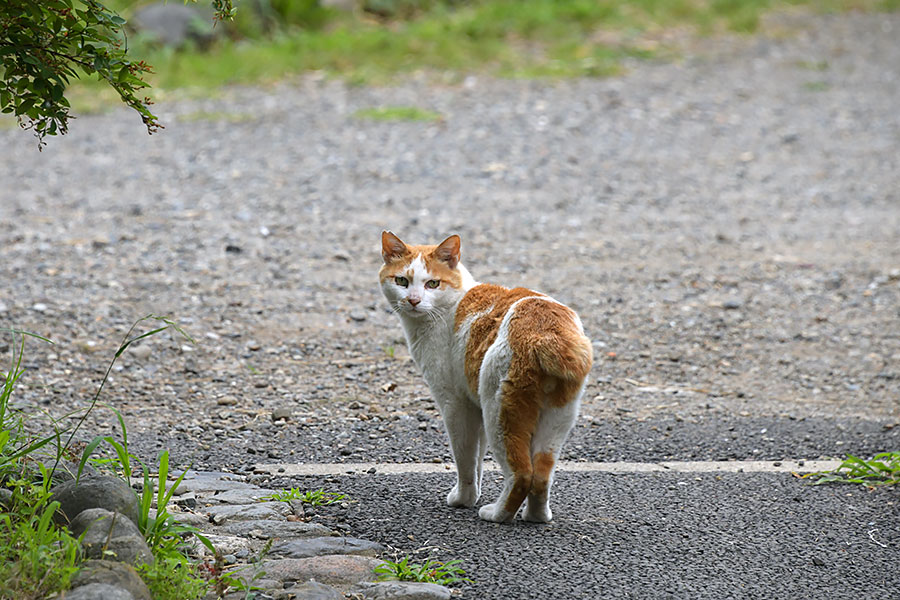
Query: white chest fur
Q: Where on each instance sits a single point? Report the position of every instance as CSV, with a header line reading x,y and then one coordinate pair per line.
x,y
439,352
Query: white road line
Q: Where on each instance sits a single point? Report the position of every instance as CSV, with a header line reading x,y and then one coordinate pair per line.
x,y
745,466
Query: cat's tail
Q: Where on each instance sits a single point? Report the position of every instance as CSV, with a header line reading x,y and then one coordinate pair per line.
x,y
565,353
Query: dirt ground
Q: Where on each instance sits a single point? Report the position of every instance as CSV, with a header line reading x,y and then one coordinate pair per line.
x,y
725,224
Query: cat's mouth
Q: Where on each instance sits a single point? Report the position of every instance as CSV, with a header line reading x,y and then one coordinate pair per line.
x,y
416,311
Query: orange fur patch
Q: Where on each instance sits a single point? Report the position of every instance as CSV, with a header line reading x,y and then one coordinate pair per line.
x,y
519,416
483,330
550,359
562,354
543,463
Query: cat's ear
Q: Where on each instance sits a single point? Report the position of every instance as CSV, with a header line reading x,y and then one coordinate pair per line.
x,y
392,247
448,251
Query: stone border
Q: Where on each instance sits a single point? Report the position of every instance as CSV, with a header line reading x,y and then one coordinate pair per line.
x,y
305,560
276,547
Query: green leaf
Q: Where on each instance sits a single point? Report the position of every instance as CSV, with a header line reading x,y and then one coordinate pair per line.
x,y
140,337
25,105
86,454
163,476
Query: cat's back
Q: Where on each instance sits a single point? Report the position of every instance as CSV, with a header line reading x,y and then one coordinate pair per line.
x,y
543,337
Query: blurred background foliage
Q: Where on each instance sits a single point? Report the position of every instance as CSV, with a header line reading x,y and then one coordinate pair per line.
x,y
374,41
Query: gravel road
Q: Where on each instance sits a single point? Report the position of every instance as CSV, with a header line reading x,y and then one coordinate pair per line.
x,y
726,225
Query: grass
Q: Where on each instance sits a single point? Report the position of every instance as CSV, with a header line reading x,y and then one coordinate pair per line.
x,y
816,86
172,577
38,558
881,470
431,571
397,113
317,497
808,65
506,38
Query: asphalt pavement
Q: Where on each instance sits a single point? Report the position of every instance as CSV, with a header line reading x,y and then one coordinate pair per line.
x,y
714,535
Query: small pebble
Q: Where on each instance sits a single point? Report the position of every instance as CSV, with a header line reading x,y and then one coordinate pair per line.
x,y
281,413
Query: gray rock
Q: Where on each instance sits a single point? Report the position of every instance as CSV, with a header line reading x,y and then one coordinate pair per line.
x,y
113,573
333,569
402,590
95,492
264,530
105,531
259,584
5,497
174,24
319,546
248,512
211,482
297,508
98,591
239,496
192,519
233,544
282,412
186,500
311,590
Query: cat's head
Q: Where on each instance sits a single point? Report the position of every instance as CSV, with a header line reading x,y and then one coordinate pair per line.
x,y
422,280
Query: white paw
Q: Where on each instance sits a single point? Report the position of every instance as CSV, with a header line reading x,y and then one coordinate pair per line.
x,y
490,512
466,497
542,514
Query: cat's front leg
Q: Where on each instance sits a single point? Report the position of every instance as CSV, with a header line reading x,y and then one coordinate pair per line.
x,y
468,444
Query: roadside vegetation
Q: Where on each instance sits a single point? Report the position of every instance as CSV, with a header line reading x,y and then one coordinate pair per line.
x,y
270,40
60,55
38,558
317,497
430,571
883,469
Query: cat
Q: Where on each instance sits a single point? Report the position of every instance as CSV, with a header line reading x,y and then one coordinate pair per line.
x,y
506,367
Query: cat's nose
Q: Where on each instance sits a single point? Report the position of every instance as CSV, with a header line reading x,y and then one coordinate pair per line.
x,y
413,300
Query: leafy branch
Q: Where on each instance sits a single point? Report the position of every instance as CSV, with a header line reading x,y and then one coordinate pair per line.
x,y
44,44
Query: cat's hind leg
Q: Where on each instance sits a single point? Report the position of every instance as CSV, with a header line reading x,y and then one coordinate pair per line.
x,y
553,427
467,442
510,424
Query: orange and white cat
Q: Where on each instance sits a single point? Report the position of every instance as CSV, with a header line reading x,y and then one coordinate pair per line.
x,y
507,368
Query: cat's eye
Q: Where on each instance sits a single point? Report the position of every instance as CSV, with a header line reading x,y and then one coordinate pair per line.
x,y
401,281
432,284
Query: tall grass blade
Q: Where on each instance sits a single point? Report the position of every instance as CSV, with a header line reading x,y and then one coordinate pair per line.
x,y
86,454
